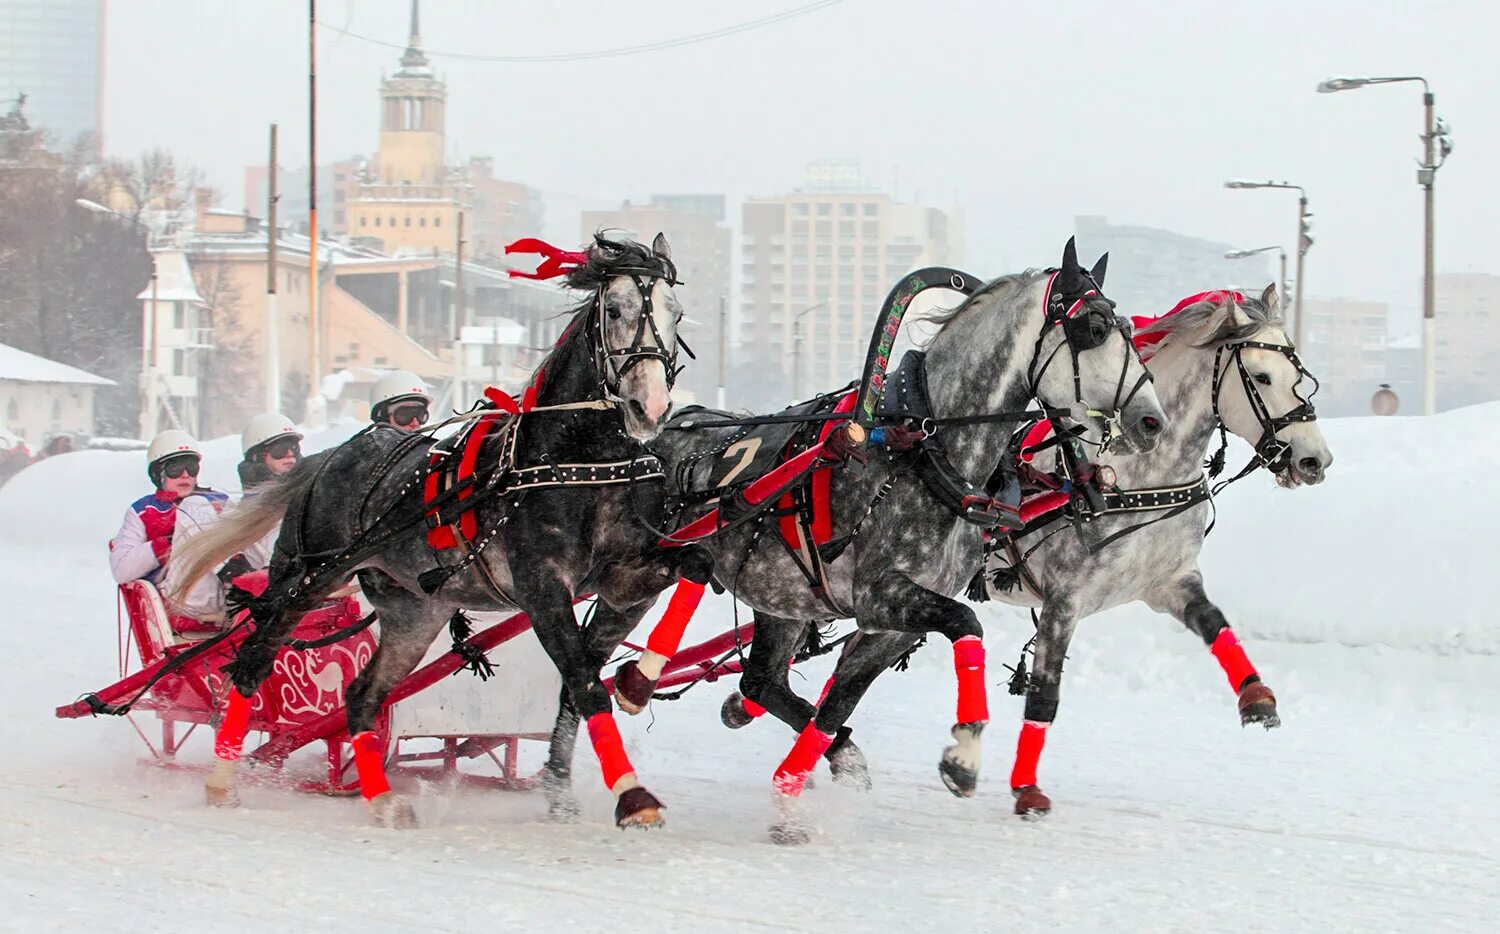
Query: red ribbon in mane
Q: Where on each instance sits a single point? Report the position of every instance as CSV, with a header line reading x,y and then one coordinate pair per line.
x,y
557,261
1145,341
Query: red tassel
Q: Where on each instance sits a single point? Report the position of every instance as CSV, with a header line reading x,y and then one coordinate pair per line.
x,y
1028,751
504,400
609,747
666,637
557,262
369,763
968,665
792,774
1232,659
229,741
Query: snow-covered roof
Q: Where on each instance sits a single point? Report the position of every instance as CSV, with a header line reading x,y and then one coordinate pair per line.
x,y
502,331
22,367
174,279
1409,342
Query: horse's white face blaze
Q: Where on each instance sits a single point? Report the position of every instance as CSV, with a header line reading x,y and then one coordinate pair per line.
x,y
1276,381
643,390
1101,388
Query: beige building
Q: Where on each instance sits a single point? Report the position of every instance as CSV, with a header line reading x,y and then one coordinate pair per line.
x,y
40,398
1468,338
1345,347
701,248
817,263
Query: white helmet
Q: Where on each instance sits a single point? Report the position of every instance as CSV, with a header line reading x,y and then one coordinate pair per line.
x,y
267,426
170,443
396,386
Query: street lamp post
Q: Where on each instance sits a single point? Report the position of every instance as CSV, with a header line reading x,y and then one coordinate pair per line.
x,y
1304,240
1435,136
148,346
1246,254
797,345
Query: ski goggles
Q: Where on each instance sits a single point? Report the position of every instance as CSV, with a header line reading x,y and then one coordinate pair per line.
x,y
179,466
281,447
411,413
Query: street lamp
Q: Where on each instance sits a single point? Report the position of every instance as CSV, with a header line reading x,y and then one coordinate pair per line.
x,y
1246,254
797,345
1304,239
148,349
1434,135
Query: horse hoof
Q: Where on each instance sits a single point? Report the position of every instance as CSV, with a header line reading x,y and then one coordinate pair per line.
x,y
221,797
1031,803
393,811
633,690
1258,705
790,833
733,712
849,768
959,766
638,808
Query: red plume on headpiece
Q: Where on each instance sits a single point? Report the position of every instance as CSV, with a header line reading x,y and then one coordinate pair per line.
x,y
557,262
1143,342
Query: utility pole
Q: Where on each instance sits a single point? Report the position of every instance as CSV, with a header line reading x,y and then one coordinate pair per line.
x,y
273,337
1427,175
719,399
315,415
1304,241
458,319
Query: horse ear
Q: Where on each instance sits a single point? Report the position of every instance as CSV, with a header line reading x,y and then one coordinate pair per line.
x,y
1237,315
1271,298
660,248
1069,273
1099,269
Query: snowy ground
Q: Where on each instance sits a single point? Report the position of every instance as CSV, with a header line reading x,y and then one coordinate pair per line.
x,y
1374,807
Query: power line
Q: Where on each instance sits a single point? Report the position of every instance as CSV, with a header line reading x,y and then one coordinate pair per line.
x,y
656,46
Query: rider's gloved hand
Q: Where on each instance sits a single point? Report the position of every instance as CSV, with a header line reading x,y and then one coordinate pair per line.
x,y
161,546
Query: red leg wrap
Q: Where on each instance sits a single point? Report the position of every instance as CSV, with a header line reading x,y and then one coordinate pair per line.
x,y
1232,659
229,741
752,708
369,763
828,686
667,635
1028,751
792,773
609,747
968,664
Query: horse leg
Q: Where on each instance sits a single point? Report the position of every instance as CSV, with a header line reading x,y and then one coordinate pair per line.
x,y
1188,602
606,630
1055,627
765,688
859,666
635,680
549,604
408,625
250,668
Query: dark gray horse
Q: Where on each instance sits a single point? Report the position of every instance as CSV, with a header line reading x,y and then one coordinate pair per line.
x,y
906,553
542,532
1195,356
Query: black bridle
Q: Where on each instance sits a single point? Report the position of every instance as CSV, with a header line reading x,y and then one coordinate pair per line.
x,y
1087,318
1270,451
614,363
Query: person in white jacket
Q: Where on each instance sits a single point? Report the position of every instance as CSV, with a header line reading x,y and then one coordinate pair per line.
x,y
142,548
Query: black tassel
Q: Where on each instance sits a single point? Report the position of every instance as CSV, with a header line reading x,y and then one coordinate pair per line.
x,y
460,628
1006,580
238,600
431,580
813,647
902,663
977,591
1215,465
1019,680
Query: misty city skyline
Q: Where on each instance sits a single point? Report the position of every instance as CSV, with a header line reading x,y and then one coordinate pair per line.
x,y
1023,117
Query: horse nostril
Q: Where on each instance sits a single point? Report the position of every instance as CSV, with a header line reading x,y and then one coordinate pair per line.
x,y
1309,465
1150,424
636,409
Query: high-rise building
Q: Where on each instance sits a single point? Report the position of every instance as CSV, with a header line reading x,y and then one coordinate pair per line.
x,y
1150,270
1345,348
1467,321
816,265
52,56
701,251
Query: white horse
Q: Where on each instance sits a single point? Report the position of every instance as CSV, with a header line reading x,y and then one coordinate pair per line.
x,y
1221,363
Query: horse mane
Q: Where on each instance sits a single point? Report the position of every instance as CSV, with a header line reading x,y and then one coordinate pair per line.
x,y
941,320
1211,318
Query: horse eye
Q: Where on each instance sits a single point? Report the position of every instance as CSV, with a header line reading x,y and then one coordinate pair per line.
x,y
613,311
1263,378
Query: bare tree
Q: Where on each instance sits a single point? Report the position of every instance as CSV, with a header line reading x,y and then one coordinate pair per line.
x,y
228,374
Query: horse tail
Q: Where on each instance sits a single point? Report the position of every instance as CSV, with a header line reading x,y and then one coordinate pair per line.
x,y
240,527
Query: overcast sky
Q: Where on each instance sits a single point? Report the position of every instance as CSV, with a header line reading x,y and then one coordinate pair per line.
x,y
1025,114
